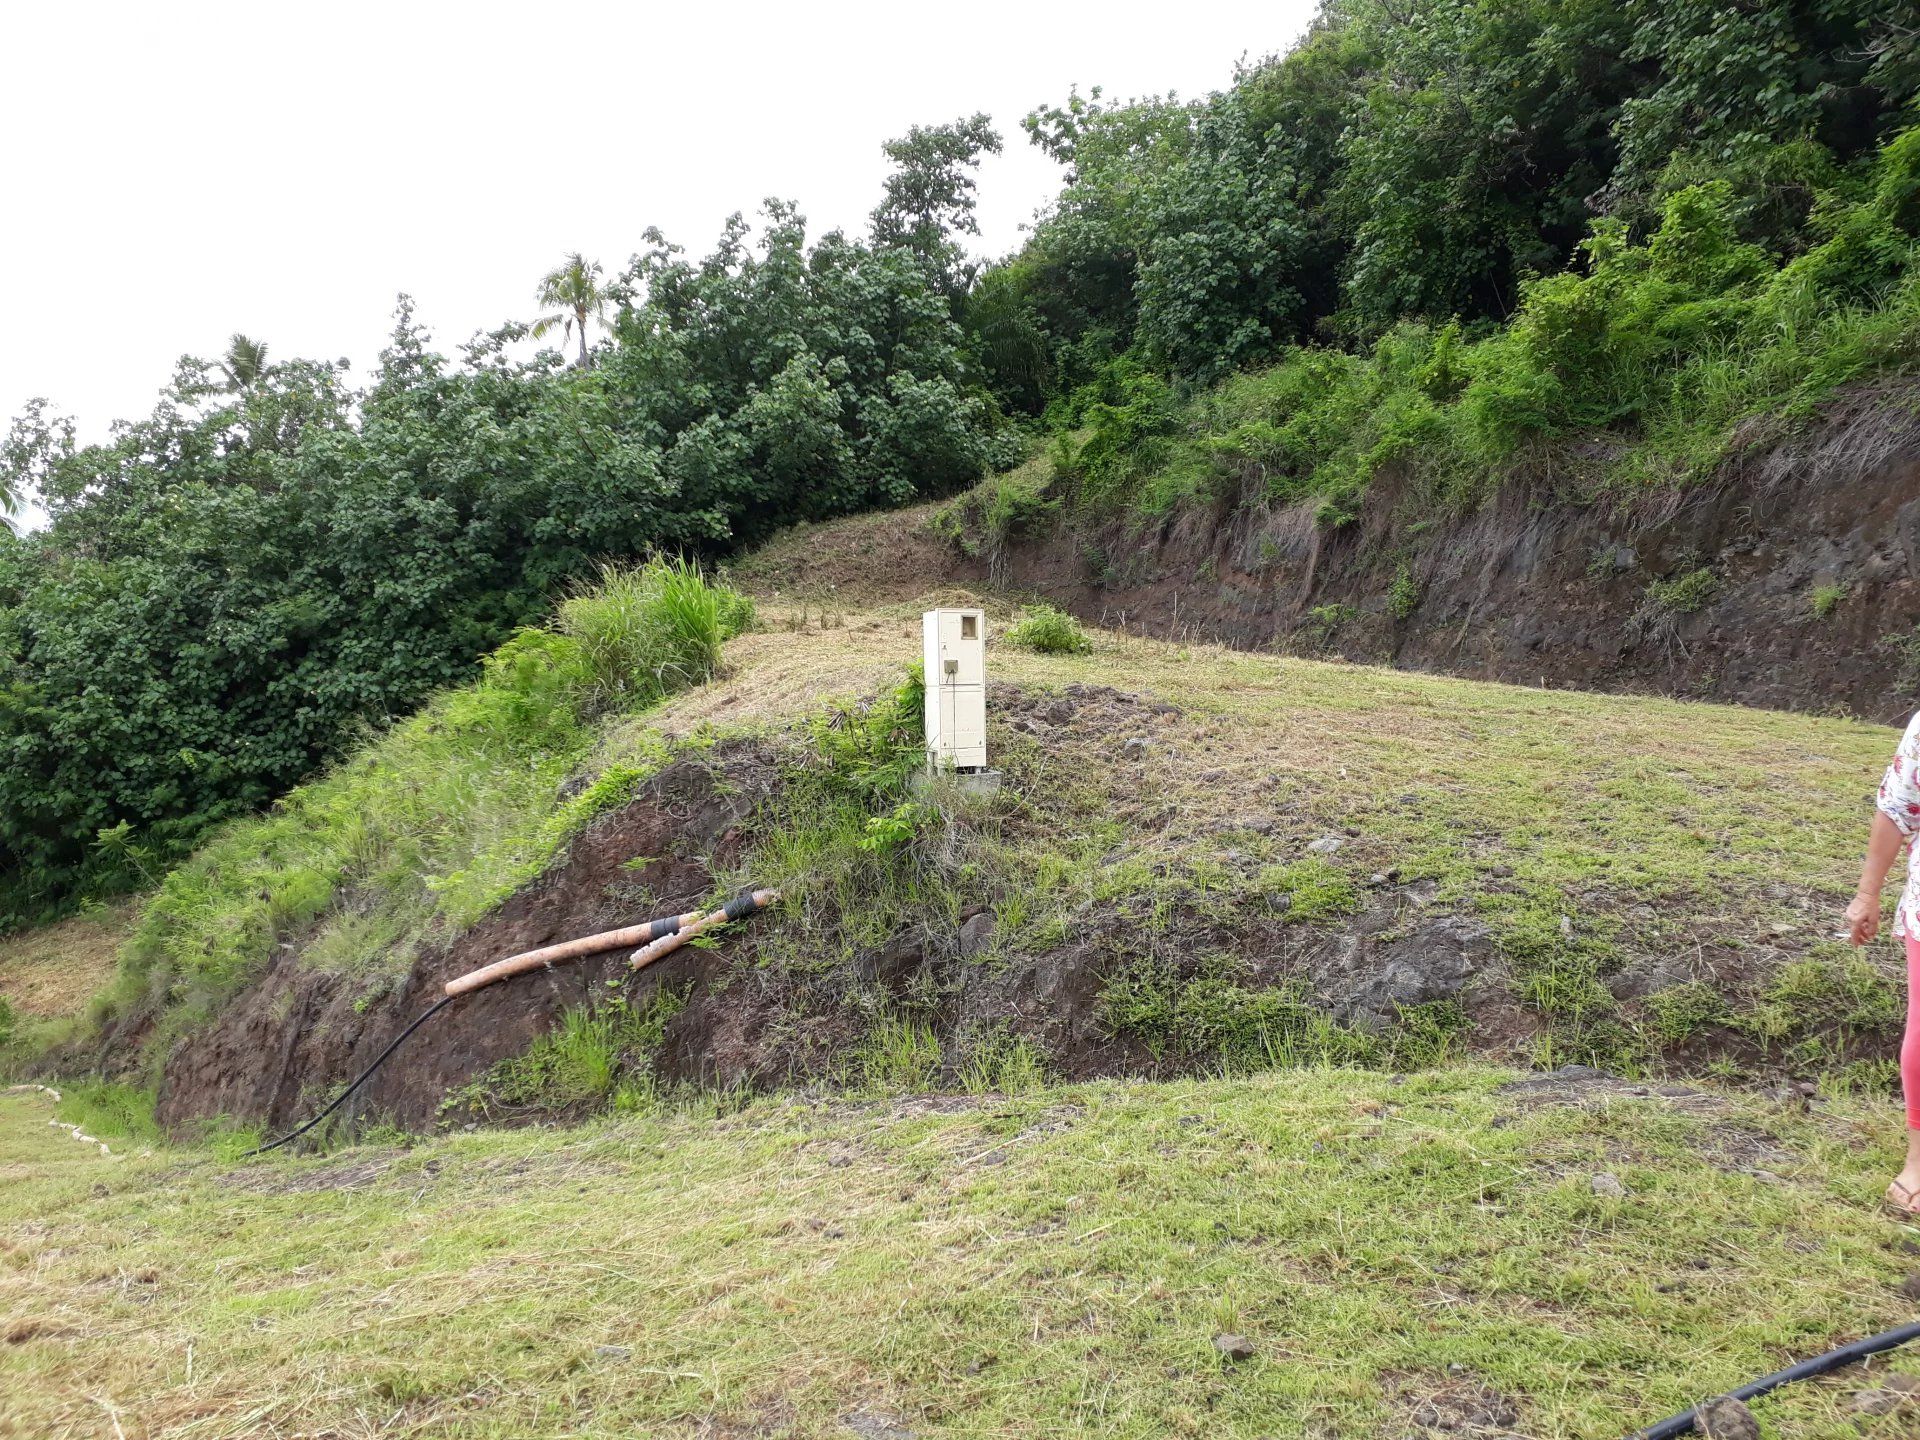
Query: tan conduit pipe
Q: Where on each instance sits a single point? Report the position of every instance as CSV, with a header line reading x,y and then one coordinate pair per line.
x,y
737,908
647,930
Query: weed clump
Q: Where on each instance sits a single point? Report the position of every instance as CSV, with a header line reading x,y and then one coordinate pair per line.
x,y
647,631
1211,1016
596,1055
1048,631
1310,890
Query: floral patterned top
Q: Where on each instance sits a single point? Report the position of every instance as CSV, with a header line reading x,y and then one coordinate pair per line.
x,y
1899,801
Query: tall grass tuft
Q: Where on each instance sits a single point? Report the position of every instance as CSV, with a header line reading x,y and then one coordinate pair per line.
x,y
650,630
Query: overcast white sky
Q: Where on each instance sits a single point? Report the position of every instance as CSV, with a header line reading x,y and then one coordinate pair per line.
x,y
175,172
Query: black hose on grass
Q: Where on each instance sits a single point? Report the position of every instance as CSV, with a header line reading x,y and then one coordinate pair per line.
x,y
340,1099
1683,1423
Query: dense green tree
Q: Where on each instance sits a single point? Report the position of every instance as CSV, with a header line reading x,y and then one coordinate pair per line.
x,y
929,196
1423,159
272,561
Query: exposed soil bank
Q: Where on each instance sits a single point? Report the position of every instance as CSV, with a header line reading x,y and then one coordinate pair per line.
x,y
1812,548
299,1031
761,1015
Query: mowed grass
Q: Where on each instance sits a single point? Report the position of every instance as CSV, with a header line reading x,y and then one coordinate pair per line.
x,y
1710,846
1054,1263
54,970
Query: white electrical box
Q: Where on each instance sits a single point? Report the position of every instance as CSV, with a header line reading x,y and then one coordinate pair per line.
x,y
956,661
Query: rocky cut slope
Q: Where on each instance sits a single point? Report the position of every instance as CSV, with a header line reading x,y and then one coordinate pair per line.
x,y
1791,579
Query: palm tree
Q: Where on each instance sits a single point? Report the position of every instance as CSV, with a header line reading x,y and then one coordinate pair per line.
x,y
245,363
575,295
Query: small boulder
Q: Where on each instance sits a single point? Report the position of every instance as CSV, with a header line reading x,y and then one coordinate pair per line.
x,y
976,936
1136,747
1326,845
1233,1348
1608,1187
1893,1393
1728,1419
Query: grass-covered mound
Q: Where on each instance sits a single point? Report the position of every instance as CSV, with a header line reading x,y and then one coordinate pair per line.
x,y
1435,1254
434,822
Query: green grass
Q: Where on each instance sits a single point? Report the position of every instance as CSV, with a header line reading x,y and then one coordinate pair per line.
x,y
432,824
1047,630
1054,1262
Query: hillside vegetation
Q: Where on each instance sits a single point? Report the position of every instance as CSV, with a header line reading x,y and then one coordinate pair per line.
x,y
1610,243
1234,861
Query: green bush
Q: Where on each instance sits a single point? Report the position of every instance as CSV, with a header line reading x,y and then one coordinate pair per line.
x,y
1683,594
1403,595
1826,598
1048,631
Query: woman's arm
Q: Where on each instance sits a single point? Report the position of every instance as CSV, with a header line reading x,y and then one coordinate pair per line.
x,y
1883,846
1898,807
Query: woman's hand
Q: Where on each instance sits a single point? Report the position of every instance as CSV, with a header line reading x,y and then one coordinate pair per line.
x,y
1863,918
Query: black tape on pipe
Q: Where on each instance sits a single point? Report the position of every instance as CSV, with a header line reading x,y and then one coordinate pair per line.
x,y
740,906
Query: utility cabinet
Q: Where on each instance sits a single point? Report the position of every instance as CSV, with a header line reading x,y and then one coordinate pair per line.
x,y
956,662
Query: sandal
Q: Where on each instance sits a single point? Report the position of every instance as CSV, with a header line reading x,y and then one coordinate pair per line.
x,y
1902,1200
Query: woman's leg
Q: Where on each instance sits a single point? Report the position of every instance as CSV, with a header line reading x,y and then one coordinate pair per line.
x,y
1909,1178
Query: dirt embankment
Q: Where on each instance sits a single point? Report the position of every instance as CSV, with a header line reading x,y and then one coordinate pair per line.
x,y
1792,581
298,1032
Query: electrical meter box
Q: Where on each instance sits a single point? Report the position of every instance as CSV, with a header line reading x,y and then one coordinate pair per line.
x,y
956,661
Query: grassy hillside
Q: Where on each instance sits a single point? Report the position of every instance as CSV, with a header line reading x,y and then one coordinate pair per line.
x,y
924,1230
1188,831
1404,1257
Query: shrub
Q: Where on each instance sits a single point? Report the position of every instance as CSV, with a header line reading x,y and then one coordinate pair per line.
x,y
1403,595
1826,598
1048,631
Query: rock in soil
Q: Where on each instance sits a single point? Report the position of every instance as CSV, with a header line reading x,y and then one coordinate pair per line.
x,y
1893,1393
976,936
1728,1419
876,1425
1233,1348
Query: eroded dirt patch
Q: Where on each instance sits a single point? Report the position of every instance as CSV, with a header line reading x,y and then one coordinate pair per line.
x,y
298,1030
1461,1406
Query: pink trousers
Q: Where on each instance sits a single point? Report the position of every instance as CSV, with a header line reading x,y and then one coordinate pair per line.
x,y
1910,1046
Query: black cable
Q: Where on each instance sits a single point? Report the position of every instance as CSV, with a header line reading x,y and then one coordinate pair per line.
x,y
1682,1423
742,904
340,1099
